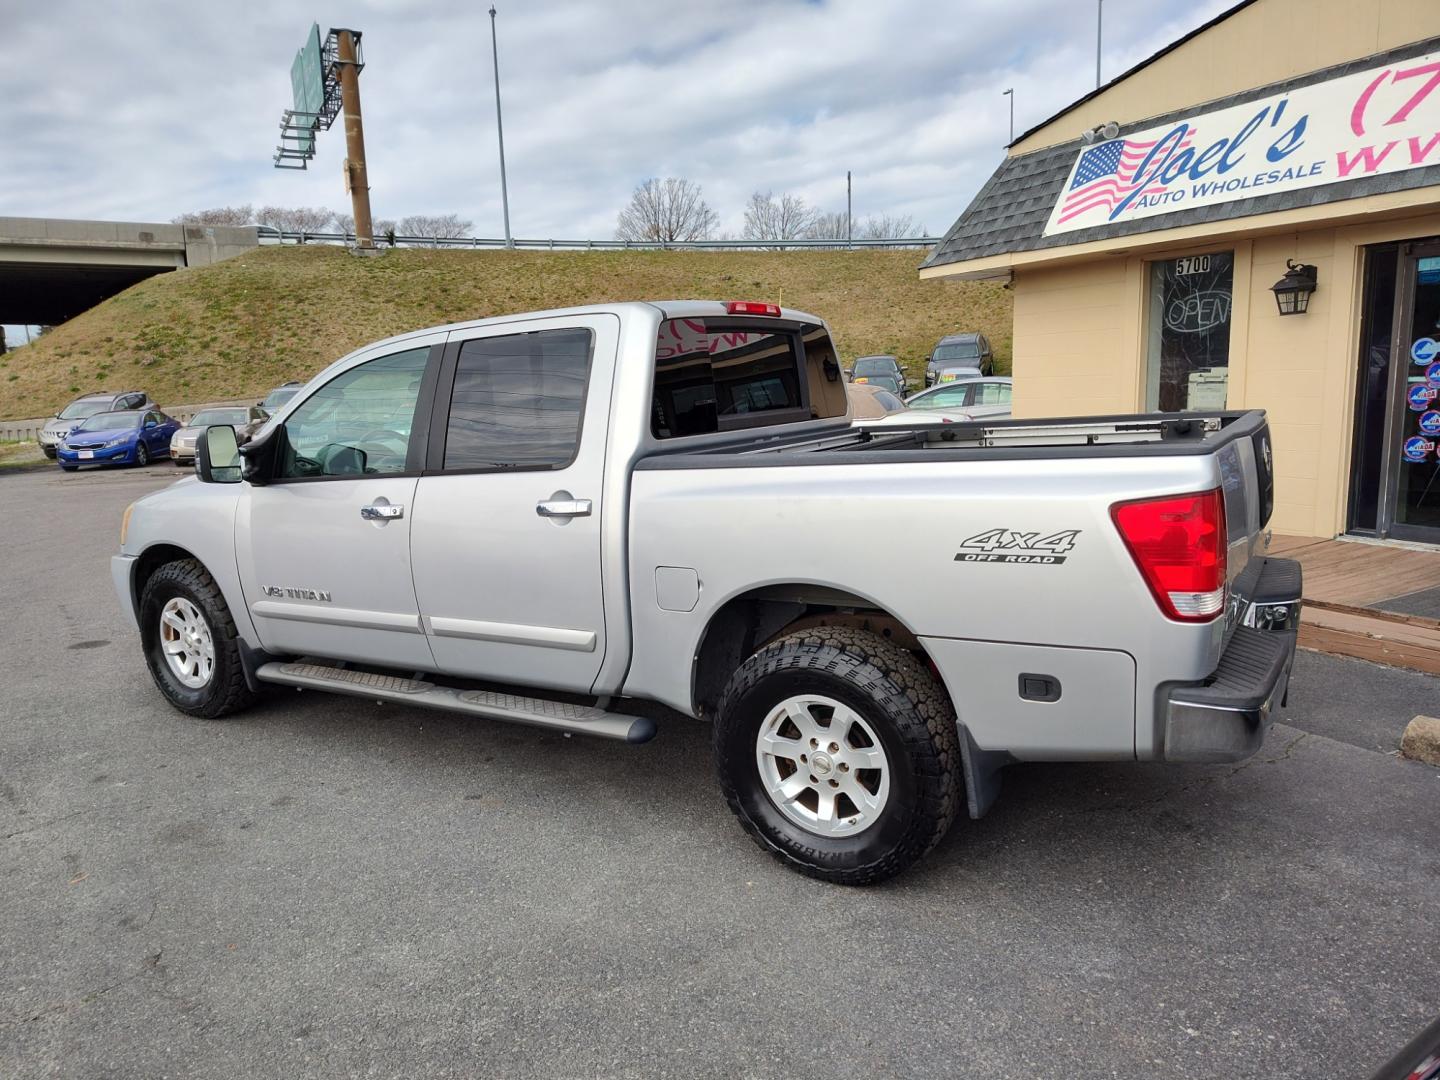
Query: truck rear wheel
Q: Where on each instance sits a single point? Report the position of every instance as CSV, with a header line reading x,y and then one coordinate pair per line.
x,y
190,641
839,754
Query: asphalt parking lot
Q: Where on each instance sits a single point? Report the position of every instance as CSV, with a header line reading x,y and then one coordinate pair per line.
x,y
325,886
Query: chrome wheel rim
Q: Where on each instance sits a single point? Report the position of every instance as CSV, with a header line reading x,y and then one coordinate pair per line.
x,y
186,642
822,765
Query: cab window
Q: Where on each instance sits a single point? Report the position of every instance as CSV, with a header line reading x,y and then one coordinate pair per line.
x,y
357,424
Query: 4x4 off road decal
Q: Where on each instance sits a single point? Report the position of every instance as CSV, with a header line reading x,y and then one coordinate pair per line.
x,y
1013,546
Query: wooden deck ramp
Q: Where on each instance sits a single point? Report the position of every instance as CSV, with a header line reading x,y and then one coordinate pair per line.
x,y
1345,580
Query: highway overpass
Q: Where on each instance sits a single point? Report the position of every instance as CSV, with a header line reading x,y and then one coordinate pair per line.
x,y
51,269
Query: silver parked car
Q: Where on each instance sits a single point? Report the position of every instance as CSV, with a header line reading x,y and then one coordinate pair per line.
x,y
245,421
66,420
987,397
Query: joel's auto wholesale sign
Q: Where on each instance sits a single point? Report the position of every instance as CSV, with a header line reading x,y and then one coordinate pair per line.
x,y
1383,120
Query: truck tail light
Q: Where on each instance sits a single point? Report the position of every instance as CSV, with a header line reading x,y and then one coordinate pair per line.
x,y
751,307
1178,542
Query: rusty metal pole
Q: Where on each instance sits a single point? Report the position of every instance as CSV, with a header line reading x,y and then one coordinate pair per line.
x,y
356,178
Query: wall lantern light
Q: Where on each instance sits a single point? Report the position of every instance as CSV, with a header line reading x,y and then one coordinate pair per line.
x,y
1292,292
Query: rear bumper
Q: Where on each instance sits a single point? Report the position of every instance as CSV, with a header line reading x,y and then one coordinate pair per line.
x,y
1225,718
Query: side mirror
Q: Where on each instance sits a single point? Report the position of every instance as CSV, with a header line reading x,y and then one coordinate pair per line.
x,y
217,456
257,456
849,374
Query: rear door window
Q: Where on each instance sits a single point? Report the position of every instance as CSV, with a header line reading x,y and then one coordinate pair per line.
x,y
518,400
991,393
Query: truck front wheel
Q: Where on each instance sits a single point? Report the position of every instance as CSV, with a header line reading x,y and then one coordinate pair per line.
x,y
839,754
190,641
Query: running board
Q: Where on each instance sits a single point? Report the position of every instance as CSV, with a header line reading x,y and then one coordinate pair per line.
x,y
537,712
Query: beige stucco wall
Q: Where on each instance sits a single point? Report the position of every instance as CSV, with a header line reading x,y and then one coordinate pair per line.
x,y
1080,350
1268,41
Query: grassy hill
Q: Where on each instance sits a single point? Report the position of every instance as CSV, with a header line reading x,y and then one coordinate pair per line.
x,y
237,328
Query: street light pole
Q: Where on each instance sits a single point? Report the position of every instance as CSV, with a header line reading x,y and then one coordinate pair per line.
x,y
500,129
1099,22
1011,95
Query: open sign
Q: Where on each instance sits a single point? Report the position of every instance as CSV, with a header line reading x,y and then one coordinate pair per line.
x,y
1197,312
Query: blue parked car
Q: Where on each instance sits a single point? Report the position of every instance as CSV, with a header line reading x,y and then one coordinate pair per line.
x,y
118,438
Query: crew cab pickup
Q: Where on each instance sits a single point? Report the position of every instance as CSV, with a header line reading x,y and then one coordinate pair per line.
x,y
570,517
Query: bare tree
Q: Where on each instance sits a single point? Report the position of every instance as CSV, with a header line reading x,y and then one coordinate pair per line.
x,y
665,211
220,215
434,226
296,219
343,223
888,227
768,218
830,225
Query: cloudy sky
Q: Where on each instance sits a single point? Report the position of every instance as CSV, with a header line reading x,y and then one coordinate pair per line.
x,y
147,108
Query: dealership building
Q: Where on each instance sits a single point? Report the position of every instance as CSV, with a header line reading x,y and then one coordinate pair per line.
x,y
1248,219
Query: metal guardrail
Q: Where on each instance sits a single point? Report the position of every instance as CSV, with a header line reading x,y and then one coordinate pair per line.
x,y
270,235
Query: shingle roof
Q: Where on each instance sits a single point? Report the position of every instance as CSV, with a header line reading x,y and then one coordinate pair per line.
x,y
1010,211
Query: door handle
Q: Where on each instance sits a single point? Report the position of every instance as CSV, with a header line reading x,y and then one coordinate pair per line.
x,y
382,512
563,508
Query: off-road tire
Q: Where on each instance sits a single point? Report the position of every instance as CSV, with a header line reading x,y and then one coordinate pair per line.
x,y
895,693
226,692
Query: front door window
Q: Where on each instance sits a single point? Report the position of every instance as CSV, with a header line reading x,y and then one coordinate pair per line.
x,y
1188,347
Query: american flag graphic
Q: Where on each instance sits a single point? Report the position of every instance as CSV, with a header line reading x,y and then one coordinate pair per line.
x,y
1105,174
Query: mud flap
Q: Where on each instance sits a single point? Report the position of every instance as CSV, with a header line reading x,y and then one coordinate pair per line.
x,y
982,773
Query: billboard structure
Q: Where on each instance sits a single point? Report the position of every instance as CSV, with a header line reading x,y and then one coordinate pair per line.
x,y
324,81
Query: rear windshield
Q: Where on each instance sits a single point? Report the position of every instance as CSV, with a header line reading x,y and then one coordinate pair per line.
x,y
874,365
110,421
77,409
964,350
722,374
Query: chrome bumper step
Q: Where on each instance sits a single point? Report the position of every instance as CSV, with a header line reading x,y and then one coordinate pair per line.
x,y
536,712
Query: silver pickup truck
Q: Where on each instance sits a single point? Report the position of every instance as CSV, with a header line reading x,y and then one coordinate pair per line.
x,y
564,518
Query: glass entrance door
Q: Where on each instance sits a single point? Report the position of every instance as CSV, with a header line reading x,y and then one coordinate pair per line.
x,y
1410,501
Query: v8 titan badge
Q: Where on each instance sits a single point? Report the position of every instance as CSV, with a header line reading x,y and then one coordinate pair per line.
x,y
1420,396
1417,448
1430,423
1014,546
